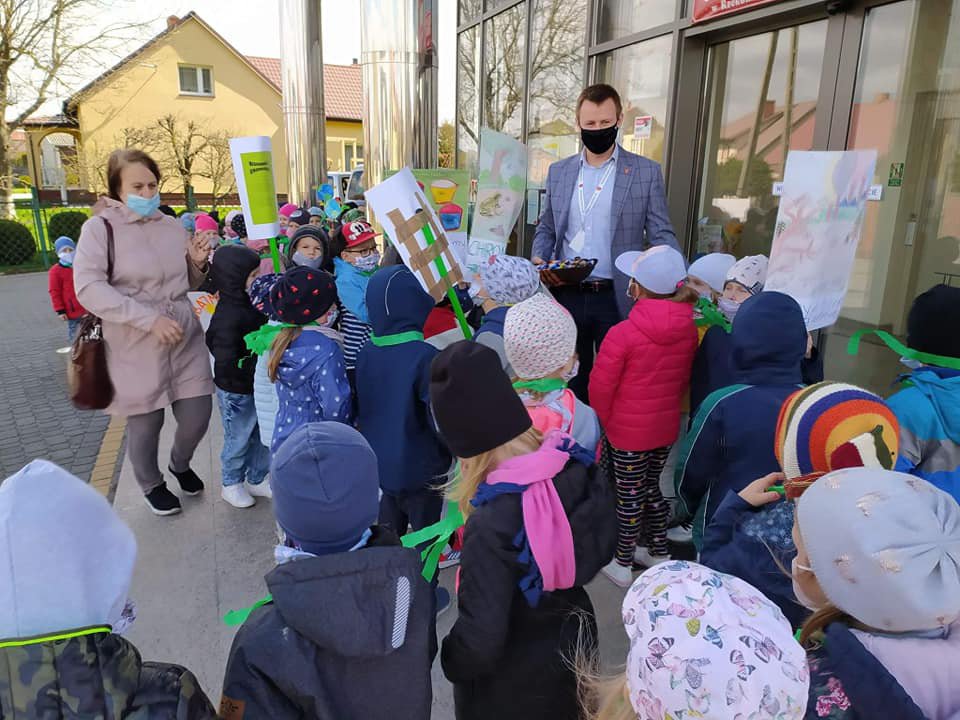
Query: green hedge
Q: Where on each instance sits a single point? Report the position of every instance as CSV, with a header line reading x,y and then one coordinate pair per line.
x,y
17,245
66,223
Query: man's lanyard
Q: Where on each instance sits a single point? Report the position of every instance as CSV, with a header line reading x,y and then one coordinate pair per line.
x,y
585,209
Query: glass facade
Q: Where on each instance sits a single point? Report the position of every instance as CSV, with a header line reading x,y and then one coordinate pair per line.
x,y
720,104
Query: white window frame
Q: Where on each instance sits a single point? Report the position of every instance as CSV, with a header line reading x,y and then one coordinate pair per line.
x,y
198,69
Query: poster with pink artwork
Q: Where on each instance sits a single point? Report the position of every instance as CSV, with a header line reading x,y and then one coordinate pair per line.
x,y
818,227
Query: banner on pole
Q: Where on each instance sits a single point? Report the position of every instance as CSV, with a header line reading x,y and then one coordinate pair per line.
x,y
501,186
818,227
415,230
253,168
448,192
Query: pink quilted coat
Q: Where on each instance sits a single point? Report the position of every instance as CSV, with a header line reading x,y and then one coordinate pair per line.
x,y
641,374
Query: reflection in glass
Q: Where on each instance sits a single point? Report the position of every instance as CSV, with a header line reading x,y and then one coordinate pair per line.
x,y
468,10
619,18
762,97
556,79
503,70
468,131
641,74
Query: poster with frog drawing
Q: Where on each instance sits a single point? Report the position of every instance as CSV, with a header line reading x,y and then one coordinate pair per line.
x,y
501,185
818,227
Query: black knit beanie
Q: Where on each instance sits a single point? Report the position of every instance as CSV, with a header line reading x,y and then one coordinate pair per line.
x,y
473,401
933,322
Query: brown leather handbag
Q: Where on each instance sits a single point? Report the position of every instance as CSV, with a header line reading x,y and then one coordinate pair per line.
x,y
87,374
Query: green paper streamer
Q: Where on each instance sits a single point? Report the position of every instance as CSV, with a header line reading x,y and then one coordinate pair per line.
x,y
437,535
853,347
542,385
454,300
239,617
710,315
396,338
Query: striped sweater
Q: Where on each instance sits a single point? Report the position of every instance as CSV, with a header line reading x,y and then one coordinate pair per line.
x,y
355,335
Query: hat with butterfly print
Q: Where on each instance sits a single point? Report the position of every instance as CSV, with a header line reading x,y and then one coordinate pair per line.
x,y
705,644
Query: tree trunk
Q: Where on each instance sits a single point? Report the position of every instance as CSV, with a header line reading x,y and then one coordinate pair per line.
x,y
6,181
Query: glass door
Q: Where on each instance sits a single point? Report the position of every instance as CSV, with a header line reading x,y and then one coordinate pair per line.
x,y
906,105
762,99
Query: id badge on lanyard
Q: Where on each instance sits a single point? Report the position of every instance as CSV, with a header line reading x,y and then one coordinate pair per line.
x,y
580,238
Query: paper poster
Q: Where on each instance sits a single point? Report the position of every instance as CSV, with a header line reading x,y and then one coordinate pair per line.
x,y
895,179
501,184
253,168
448,192
203,305
643,127
818,227
415,229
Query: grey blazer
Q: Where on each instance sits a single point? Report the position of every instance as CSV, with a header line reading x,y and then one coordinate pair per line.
x,y
639,212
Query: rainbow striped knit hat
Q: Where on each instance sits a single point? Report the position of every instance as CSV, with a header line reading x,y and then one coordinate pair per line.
x,y
829,426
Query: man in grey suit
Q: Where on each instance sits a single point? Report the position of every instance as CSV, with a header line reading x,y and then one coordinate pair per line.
x,y
599,204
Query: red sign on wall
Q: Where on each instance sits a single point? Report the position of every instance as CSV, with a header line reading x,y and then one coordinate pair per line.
x,y
704,10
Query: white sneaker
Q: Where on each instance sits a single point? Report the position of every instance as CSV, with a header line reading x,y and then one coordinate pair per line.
x,y
238,496
261,489
642,556
681,534
618,574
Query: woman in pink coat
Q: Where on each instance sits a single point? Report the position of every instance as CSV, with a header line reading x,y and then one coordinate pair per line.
x,y
637,385
155,349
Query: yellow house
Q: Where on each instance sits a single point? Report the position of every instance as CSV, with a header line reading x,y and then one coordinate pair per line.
x,y
185,87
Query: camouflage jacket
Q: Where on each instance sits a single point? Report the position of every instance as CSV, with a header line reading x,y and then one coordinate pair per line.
x,y
99,676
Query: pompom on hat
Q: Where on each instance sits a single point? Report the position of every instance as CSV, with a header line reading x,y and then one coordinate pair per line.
x,y
709,645
884,547
661,269
539,337
829,426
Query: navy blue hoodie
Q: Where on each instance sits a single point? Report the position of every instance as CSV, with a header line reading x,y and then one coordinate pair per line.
x,y
393,386
731,440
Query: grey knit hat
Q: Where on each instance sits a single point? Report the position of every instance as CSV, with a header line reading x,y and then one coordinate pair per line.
x,y
885,547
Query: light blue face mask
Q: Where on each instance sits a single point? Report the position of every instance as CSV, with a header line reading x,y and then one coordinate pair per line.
x,y
144,207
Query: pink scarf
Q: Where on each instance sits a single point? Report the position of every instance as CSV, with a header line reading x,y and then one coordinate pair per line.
x,y
546,523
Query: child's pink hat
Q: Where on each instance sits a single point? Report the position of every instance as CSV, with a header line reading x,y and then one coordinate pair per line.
x,y
288,210
205,222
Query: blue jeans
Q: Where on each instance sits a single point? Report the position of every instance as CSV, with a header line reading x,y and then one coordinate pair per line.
x,y
72,327
243,457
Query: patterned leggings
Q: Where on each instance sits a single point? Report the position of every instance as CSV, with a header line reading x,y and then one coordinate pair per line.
x,y
642,513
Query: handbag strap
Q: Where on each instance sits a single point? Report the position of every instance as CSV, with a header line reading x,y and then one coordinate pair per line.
x,y
110,250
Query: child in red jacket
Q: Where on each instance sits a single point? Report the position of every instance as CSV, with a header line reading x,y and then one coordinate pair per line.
x,y
62,295
636,389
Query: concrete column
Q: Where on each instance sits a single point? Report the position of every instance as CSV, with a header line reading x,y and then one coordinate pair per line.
x,y
399,62
301,67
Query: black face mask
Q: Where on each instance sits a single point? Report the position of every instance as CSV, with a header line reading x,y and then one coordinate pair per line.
x,y
599,141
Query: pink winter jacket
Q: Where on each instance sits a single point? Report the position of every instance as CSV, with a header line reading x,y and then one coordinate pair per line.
x,y
641,374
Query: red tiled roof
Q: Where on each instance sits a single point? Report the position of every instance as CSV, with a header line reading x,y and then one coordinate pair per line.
x,y
342,86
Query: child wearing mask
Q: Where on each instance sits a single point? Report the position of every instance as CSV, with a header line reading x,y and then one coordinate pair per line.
x,y
346,632
822,428
244,459
637,385
504,281
731,438
355,260
283,215
66,566
928,406
702,645
540,525
306,365
63,296
711,366
393,398
707,275
309,247
877,559
540,342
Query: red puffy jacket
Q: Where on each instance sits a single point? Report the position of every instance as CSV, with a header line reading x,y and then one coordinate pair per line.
x,y
641,374
62,295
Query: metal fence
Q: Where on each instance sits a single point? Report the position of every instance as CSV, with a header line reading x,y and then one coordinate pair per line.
x,y
27,239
